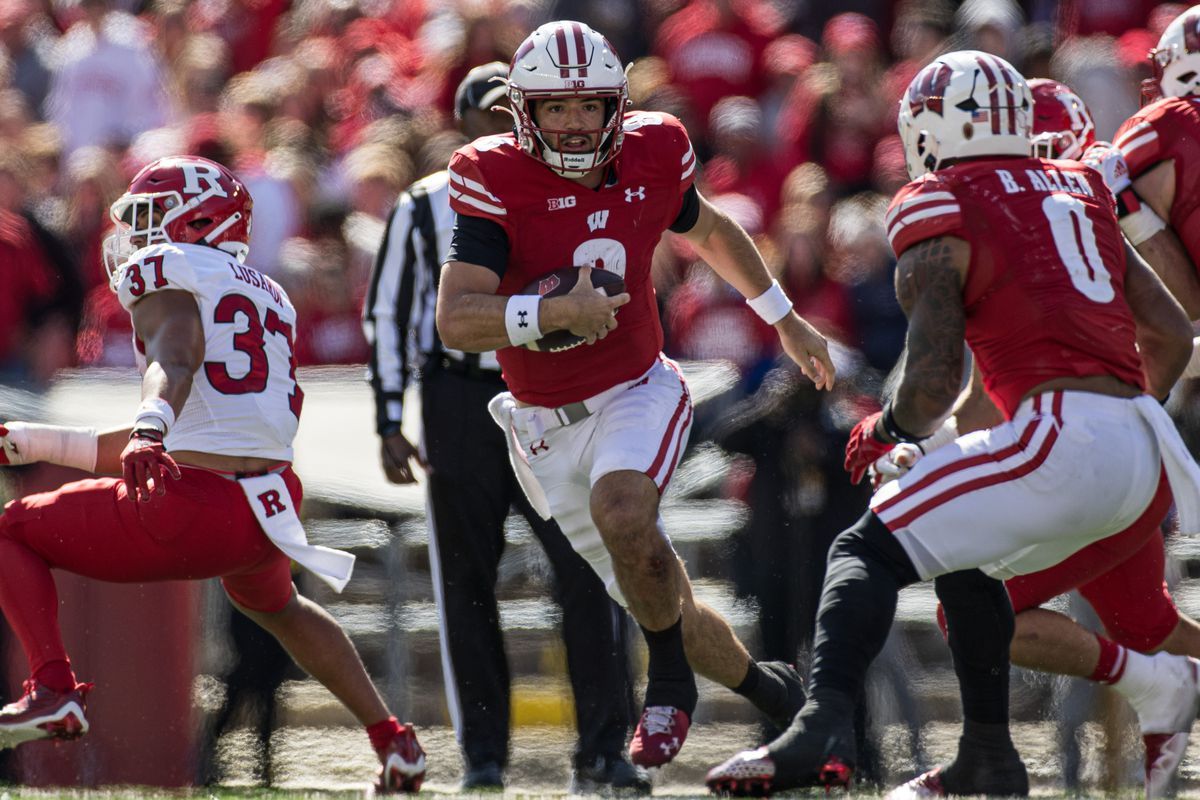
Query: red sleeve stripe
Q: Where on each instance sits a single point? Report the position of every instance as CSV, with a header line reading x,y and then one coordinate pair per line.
x,y
475,194
921,199
688,162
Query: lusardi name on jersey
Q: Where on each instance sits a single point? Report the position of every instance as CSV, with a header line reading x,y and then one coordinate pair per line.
x,y
1044,180
255,279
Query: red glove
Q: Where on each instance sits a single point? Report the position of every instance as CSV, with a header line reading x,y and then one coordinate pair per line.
x,y
144,460
3,446
864,447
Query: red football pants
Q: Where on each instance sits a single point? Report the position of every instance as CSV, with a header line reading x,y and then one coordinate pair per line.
x,y
201,528
1120,576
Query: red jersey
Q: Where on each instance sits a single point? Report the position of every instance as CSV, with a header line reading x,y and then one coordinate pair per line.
x,y
553,222
1045,290
1169,129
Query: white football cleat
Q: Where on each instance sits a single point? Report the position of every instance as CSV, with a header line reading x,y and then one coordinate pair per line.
x,y
1166,711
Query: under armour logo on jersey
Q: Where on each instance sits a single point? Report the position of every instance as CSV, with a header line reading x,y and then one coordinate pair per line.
x,y
597,220
193,174
540,444
640,194
556,203
272,504
522,315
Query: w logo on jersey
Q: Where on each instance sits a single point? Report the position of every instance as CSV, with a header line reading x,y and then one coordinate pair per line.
x,y
597,220
929,89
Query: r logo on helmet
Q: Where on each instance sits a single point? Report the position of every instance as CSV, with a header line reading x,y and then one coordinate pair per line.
x,y
194,173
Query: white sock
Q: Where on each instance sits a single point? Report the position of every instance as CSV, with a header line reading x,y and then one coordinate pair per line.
x,y
1138,676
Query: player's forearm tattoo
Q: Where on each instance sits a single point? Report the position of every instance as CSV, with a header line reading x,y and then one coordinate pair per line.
x,y
927,286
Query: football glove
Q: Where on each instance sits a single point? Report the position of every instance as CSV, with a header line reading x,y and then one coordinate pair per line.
x,y
144,462
895,463
864,447
1110,163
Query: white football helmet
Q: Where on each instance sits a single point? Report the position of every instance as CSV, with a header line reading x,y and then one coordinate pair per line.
x,y
964,104
564,60
1176,59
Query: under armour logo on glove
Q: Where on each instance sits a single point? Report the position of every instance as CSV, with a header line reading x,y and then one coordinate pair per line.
x,y
540,444
522,323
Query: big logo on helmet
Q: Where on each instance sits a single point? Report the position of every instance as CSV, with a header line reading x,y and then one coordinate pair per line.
x,y
929,88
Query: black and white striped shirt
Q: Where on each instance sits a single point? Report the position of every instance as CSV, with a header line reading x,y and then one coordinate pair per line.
x,y
398,314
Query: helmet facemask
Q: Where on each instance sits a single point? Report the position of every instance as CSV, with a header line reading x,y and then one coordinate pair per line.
x,y
545,143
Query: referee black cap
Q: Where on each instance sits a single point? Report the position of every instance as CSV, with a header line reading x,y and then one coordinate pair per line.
x,y
481,89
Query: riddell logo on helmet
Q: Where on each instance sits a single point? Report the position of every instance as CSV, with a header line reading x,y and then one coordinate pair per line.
x,y
929,89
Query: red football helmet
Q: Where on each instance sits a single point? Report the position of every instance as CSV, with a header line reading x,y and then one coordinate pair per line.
x,y
180,199
1062,124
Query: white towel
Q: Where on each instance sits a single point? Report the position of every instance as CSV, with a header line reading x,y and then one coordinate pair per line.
x,y
272,505
1182,472
501,408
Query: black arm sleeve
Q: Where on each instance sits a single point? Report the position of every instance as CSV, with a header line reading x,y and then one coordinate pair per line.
x,y
479,241
689,212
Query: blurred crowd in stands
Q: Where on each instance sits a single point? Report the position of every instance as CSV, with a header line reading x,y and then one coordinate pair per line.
x,y
327,109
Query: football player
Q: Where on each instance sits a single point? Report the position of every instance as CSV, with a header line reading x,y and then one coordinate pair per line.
x,y
1075,339
207,489
1121,577
598,430
1152,167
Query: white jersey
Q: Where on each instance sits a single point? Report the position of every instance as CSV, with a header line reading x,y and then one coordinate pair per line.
x,y
245,400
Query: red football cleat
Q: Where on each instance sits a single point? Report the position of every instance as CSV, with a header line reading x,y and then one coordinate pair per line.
x,y
403,763
660,734
43,713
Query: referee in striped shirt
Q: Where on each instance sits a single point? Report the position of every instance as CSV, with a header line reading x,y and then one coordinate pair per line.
x,y
471,489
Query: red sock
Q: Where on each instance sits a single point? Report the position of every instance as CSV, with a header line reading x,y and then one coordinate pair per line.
x,y
383,732
56,675
1111,664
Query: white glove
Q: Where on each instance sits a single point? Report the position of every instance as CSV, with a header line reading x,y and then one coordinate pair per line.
x,y
894,464
1110,163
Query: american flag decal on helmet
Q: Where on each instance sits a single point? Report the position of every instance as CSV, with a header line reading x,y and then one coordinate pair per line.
x,y
571,50
929,89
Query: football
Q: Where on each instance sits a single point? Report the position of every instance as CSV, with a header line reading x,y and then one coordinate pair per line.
x,y
558,283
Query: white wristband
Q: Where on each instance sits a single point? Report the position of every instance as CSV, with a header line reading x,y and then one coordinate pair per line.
x,y
521,318
28,442
772,305
944,435
155,412
1141,225
1192,370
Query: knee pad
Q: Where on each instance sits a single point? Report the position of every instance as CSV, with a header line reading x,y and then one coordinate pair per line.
x,y
870,539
